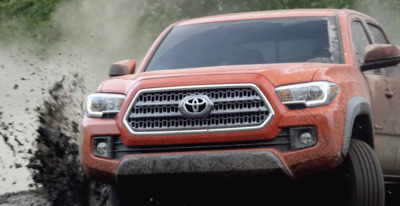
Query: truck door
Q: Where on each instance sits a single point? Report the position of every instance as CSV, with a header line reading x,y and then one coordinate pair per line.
x,y
376,79
387,140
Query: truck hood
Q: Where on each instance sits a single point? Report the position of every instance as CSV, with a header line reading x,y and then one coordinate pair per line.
x,y
277,74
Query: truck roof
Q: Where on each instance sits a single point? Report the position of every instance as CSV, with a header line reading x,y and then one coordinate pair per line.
x,y
267,14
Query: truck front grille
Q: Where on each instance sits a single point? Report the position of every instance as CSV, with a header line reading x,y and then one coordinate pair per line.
x,y
235,107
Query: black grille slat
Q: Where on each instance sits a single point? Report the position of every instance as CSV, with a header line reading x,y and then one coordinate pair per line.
x,y
157,103
281,143
136,116
233,111
237,99
235,106
257,144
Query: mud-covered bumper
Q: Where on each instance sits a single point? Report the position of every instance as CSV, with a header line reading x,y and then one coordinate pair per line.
x,y
232,163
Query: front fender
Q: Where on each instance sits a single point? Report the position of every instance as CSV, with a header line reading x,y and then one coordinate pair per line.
x,y
355,106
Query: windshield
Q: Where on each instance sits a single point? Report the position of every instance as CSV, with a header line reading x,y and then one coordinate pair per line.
x,y
264,41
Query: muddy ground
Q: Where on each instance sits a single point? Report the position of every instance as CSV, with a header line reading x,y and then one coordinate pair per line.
x,y
25,198
38,198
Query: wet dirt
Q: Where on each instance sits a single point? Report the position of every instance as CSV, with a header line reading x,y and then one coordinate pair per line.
x,y
26,198
55,164
229,193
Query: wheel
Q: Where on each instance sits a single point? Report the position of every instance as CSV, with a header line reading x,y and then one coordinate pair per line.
x,y
100,194
364,174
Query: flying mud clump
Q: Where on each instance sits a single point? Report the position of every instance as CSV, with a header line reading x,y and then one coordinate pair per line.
x,y
55,164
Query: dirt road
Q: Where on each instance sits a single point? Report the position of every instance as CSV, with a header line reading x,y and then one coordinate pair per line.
x,y
37,198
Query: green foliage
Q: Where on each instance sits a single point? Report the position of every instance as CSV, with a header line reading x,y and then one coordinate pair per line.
x,y
28,19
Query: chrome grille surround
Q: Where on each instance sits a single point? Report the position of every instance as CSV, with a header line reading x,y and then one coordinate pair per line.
x,y
251,107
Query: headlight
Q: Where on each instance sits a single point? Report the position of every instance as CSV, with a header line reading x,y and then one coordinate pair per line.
x,y
99,104
309,94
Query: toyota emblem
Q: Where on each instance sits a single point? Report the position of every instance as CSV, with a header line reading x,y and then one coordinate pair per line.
x,y
196,106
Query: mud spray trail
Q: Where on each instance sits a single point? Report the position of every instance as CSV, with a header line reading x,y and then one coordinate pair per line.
x,y
55,163
54,153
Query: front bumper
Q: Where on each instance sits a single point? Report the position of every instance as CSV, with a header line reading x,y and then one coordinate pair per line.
x,y
215,163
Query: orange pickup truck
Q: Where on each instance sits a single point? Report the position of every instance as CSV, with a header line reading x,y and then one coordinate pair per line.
x,y
296,92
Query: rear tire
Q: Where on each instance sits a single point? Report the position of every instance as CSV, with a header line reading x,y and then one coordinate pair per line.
x,y
364,175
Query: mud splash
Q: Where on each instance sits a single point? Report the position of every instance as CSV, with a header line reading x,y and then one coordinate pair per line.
x,y
24,198
55,164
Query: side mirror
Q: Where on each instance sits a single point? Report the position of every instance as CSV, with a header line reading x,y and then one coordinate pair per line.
x,y
380,55
122,68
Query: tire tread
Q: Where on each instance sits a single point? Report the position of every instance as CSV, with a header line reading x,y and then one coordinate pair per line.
x,y
368,175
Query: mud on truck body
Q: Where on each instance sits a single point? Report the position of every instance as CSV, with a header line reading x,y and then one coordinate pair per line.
x,y
295,91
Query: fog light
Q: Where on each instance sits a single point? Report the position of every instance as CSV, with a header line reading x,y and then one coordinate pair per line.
x,y
302,137
103,147
306,138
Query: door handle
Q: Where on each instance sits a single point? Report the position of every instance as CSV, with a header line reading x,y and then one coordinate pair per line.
x,y
388,94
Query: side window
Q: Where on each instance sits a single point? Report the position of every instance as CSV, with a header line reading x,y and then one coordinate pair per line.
x,y
377,33
360,40
379,38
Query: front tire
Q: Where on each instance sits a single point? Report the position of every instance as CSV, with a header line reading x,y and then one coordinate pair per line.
x,y
365,177
100,194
